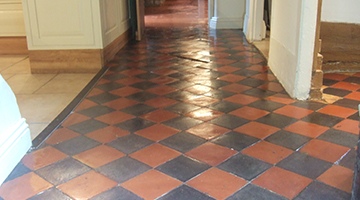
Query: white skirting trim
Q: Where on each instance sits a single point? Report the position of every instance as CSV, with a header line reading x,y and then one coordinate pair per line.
x,y
226,23
14,144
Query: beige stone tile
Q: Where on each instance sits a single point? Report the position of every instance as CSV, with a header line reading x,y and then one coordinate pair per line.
x,y
42,108
263,47
9,60
28,83
74,76
7,76
66,83
36,128
22,67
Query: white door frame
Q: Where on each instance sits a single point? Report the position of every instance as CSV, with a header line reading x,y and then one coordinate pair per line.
x,y
253,22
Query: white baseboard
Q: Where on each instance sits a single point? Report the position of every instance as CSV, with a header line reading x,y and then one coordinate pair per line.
x,y
226,23
13,147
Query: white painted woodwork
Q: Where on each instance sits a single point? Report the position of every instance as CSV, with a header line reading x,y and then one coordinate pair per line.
x,y
227,14
114,19
15,139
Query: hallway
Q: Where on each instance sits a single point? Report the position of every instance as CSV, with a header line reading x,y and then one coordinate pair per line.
x,y
191,113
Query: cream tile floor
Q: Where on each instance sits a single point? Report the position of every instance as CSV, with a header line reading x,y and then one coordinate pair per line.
x,y
41,97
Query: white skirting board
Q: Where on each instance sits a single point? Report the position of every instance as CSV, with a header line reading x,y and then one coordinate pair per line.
x,y
14,144
226,23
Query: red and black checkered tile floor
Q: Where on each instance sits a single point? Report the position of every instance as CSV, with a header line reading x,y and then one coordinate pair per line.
x,y
186,114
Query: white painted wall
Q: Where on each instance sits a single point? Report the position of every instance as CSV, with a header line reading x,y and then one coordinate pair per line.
x,y
344,11
115,19
292,44
11,18
228,14
15,137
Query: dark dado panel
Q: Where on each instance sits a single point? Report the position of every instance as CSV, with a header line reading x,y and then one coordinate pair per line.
x,y
340,46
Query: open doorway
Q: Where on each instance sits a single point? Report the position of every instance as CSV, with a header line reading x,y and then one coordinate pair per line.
x,y
177,14
264,45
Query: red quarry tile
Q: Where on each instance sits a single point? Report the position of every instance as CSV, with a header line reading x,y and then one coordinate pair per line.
x,y
338,177
208,131
245,53
138,57
159,116
259,68
155,155
293,111
338,111
224,61
240,48
204,114
217,48
237,88
324,150
280,98
217,183
249,113
99,156
198,89
252,60
271,86
354,96
164,64
241,99
348,125
85,104
267,152
227,69
346,86
337,77
283,182
151,185
74,118
24,187
114,117
164,72
101,135
165,57
61,135
120,103
257,129
211,153
232,78
94,91
201,100
307,129
162,90
103,81
160,102
221,55
157,132
264,76
133,72
43,157
163,80
135,64
129,81
125,91
87,185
